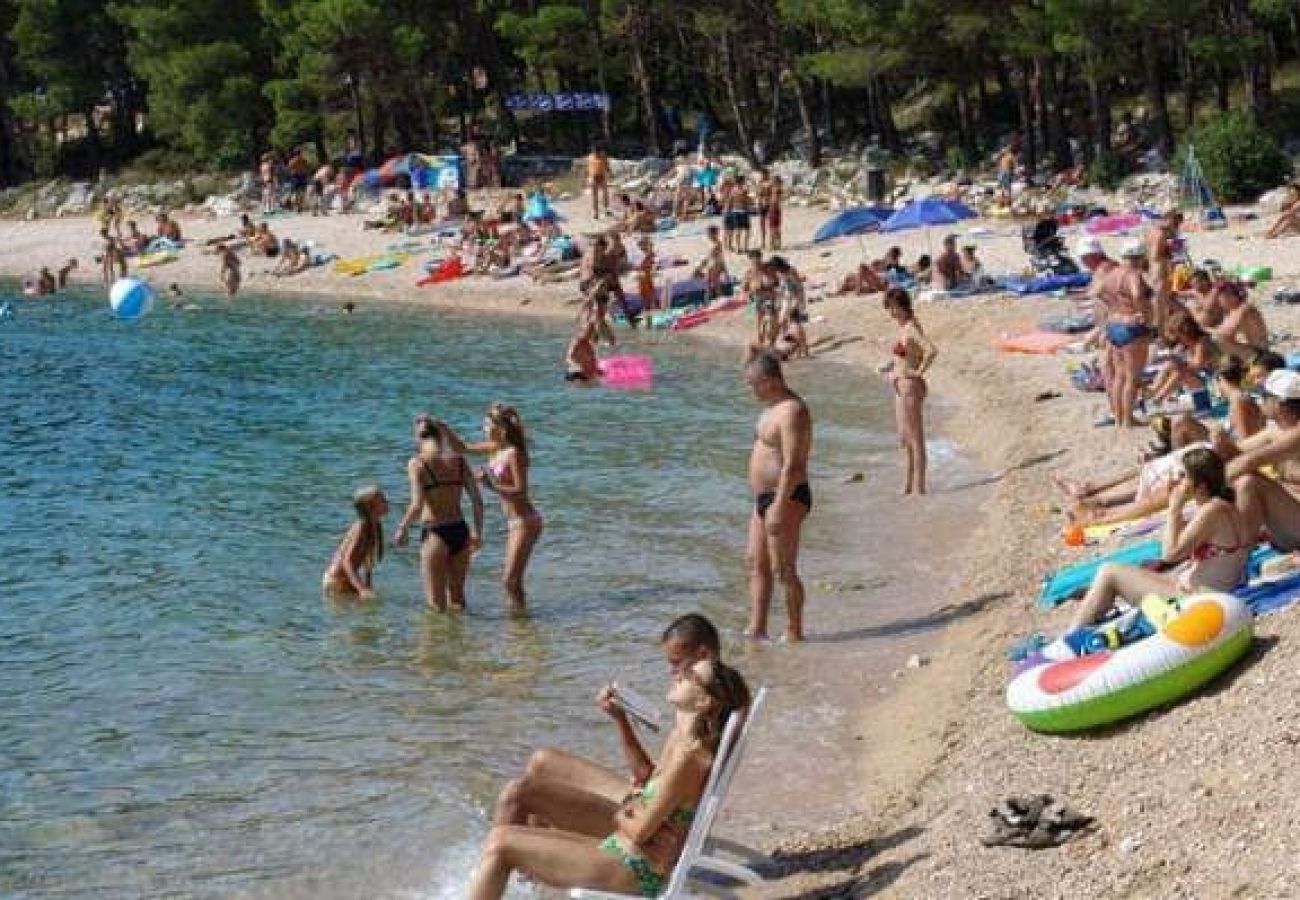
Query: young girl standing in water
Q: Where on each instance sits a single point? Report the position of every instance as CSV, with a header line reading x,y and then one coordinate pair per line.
x,y
353,565
506,473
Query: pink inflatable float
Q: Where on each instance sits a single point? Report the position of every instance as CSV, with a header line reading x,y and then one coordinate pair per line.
x,y
630,372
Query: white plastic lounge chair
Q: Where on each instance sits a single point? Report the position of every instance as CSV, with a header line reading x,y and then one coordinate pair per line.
x,y
693,858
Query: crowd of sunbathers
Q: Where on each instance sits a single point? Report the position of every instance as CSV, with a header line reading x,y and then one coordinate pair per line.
x,y
952,270
1224,471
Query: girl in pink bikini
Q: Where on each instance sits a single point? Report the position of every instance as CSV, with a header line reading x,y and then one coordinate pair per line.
x,y
506,473
913,353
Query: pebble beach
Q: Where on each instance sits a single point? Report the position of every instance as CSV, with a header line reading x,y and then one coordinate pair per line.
x,y
1197,800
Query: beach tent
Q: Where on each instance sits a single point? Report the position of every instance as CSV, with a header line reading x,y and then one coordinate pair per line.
x,y
425,171
1195,197
539,209
856,220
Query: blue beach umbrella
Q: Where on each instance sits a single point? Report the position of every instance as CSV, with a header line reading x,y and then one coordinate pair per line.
x,y
857,220
926,212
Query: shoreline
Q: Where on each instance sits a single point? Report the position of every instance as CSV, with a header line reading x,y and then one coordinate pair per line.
x,y
948,749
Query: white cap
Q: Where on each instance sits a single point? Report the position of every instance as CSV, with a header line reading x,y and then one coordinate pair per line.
x,y
1134,250
1088,246
1283,384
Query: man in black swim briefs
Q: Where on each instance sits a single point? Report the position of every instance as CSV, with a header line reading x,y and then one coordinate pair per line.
x,y
778,478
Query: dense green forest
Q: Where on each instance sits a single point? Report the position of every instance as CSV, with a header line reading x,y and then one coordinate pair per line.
x,y
89,85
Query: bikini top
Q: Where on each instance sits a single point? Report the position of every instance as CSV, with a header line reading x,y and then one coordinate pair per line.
x,y
434,483
900,349
1207,550
682,815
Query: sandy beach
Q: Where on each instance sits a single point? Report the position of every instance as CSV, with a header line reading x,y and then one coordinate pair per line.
x,y
1193,801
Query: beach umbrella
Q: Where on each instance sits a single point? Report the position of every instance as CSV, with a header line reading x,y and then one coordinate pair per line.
x,y
926,213
856,220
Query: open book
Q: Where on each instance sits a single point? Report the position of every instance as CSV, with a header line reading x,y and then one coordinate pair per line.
x,y
636,706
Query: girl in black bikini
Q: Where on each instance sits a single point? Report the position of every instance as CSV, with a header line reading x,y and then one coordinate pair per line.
x,y
439,477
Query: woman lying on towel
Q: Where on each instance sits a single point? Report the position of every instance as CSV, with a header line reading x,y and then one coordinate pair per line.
x,y
1211,549
1139,491
649,828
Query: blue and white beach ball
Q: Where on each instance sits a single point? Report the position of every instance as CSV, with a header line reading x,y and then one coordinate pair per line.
x,y
131,299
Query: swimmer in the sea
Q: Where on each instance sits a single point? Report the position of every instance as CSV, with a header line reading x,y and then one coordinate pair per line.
x,y
230,273
582,365
351,570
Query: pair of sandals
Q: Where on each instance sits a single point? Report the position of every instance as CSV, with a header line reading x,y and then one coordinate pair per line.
x,y
1034,823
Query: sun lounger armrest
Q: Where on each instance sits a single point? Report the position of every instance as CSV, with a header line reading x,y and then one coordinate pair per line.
x,y
727,868
747,855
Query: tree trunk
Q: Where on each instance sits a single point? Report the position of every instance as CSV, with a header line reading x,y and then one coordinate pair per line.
x,y
645,86
1025,107
1191,87
885,111
733,97
805,116
1055,89
8,169
1157,101
1098,106
593,10
964,123
378,130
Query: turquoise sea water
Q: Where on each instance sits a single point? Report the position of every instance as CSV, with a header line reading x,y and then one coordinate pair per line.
x,y
182,714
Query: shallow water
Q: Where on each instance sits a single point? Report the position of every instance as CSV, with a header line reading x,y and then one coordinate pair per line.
x,y
182,714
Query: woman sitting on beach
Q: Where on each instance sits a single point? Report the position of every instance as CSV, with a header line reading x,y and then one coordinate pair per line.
x,y
651,824
1201,300
913,354
506,473
293,259
1288,217
1212,548
1193,360
869,278
351,569
923,272
439,479
135,241
265,242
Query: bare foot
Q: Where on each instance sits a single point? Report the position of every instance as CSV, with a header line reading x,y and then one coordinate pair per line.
x,y
758,637
1069,486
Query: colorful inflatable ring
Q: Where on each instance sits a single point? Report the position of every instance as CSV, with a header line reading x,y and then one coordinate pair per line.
x,y
1210,633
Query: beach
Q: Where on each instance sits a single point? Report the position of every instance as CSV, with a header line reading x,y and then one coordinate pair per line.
x,y
1194,801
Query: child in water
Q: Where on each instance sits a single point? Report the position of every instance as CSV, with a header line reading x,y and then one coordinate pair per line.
x,y
362,548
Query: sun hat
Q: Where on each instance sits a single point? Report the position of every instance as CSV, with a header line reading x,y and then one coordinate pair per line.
x,y
1283,384
1134,250
1088,246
